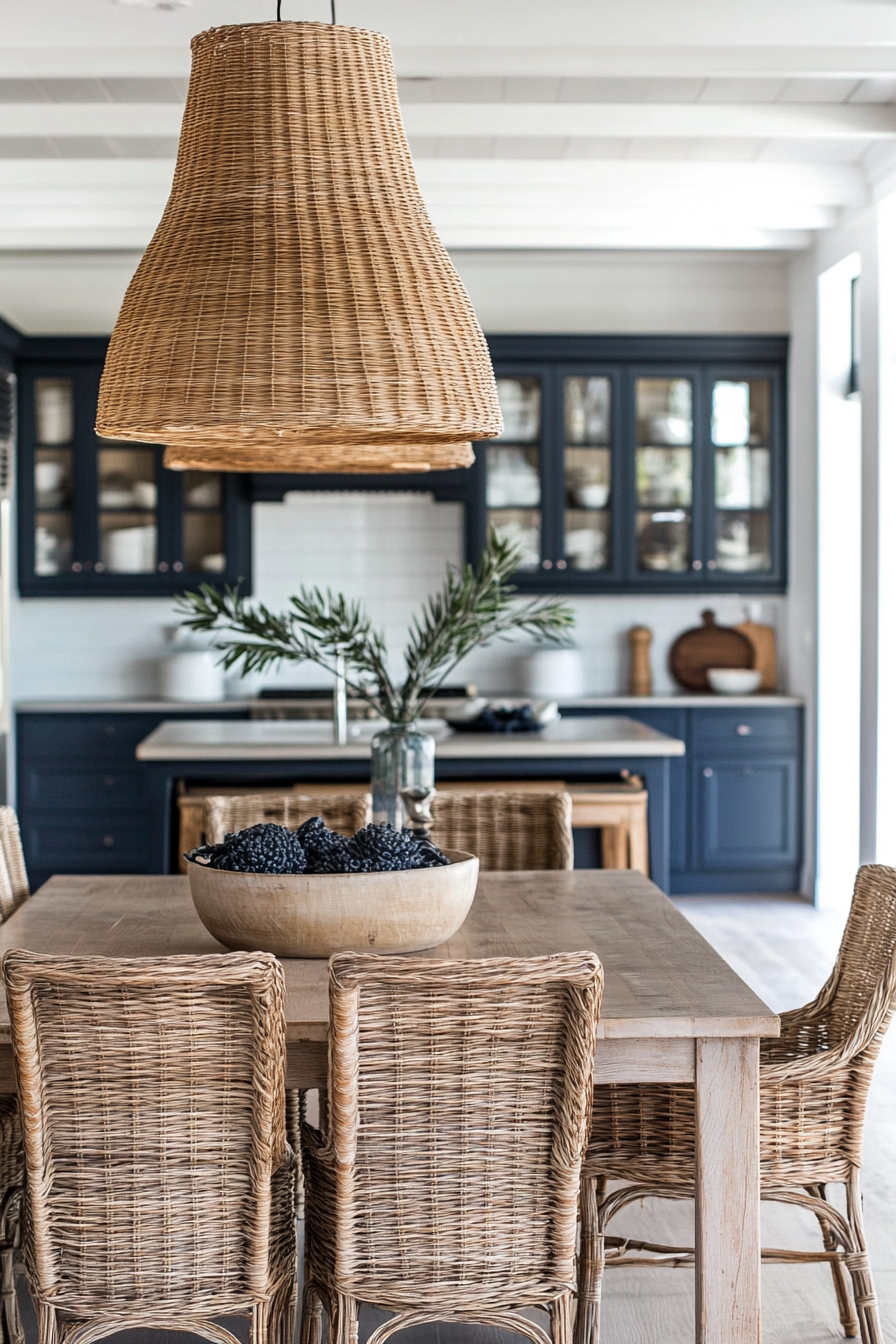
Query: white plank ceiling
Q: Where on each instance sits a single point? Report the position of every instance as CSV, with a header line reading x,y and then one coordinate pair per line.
x,y
744,124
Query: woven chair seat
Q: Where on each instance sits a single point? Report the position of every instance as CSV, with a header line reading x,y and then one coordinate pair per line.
x,y
813,1086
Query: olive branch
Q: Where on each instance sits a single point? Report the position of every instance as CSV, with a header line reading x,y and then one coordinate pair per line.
x,y
475,605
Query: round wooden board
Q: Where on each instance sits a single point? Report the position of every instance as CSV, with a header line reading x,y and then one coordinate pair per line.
x,y
708,645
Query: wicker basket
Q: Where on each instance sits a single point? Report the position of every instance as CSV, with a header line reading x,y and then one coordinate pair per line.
x,y
317,914
295,309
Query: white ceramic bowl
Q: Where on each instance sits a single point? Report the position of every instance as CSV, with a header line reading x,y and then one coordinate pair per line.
x,y
317,914
733,680
593,496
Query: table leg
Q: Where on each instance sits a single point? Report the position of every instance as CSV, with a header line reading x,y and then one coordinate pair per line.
x,y
727,1212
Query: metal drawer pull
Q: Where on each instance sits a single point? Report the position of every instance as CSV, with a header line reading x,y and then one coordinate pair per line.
x,y
707,771
743,730
108,841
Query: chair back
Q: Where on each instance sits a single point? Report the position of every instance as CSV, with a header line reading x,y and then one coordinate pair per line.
x,y
509,832
152,1096
865,962
345,813
14,889
460,1097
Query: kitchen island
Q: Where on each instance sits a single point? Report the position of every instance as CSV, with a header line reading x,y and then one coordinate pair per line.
x,y
225,752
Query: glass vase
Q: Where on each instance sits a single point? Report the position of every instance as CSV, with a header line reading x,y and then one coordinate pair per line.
x,y
401,757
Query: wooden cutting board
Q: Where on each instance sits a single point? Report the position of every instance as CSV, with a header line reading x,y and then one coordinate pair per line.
x,y
708,645
762,637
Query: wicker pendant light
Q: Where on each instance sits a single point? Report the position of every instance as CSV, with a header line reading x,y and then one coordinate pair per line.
x,y
295,309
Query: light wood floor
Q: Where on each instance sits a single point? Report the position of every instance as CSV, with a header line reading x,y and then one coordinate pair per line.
x,y
784,949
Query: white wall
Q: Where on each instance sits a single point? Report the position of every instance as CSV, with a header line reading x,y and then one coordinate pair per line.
x,y
627,291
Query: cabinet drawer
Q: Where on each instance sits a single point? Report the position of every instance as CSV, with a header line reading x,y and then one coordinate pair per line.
x,y
93,844
745,730
748,813
115,789
82,736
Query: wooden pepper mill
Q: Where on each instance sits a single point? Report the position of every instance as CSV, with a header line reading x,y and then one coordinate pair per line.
x,y
640,681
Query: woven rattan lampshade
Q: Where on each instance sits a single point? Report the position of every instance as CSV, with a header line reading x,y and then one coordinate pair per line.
x,y
295,309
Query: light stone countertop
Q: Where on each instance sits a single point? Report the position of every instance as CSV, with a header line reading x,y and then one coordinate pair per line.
x,y
291,739
154,705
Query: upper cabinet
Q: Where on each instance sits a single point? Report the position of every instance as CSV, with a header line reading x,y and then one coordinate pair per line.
x,y
99,517
655,465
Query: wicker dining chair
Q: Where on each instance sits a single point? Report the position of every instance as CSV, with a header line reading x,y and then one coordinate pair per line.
x,y
445,1187
14,891
159,1186
14,888
345,813
814,1080
509,832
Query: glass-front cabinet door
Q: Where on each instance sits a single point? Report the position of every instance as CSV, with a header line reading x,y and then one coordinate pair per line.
x,y
98,516
664,474
631,473
587,474
513,495
741,435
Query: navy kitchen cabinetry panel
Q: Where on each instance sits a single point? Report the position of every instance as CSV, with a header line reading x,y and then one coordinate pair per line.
x,y
735,799
735,807
80,790
748,815
740,732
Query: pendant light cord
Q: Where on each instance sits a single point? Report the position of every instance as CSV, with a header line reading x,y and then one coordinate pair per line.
x,y
332,11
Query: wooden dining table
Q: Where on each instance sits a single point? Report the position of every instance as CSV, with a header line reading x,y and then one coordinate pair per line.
x,y
673,1011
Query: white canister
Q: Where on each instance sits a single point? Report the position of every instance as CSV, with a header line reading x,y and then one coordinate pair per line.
x,y
193,674
554,674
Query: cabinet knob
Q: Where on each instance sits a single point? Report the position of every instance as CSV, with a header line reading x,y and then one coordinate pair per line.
x,y
178,566
109,781
561,564
108,841
163,566
707,772
110,730
77,567
696,564
711,564
743,730
99,567
547,564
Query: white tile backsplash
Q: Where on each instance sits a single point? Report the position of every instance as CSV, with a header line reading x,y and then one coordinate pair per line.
x,y
388,549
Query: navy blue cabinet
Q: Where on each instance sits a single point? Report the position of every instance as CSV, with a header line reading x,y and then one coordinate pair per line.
x,y
747,817
636,463
80,796
736,804
97,517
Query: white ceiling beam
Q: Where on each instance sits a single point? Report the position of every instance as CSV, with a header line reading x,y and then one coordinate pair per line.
x,y
836,184
766,121
859,61
792,121
832,181
659,236
54,119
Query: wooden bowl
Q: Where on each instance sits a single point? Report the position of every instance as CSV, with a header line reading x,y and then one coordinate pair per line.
x,y
317,914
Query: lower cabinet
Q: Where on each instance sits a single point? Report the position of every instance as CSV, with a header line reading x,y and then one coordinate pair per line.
x,y
736,797
80,795
746,814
